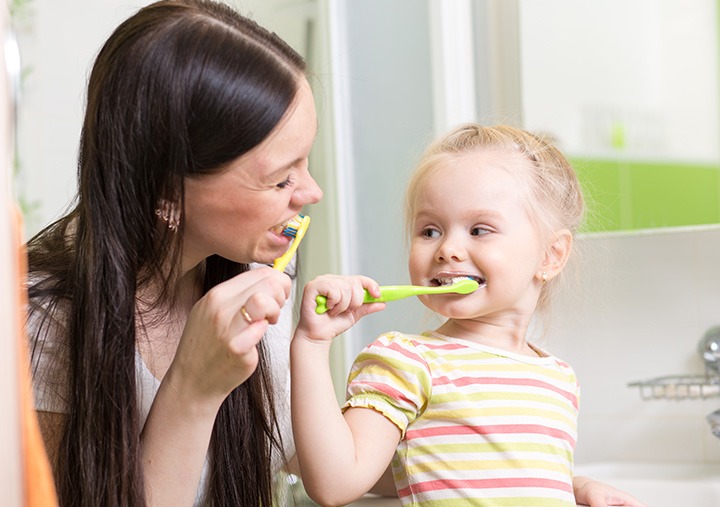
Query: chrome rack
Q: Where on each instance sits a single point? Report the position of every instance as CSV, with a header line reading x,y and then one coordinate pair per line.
x,y
689,387
679,387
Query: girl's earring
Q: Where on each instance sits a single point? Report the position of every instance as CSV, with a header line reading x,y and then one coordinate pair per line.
x,y
543,277
169,213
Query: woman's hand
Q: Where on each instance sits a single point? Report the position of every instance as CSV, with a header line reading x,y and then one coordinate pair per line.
x,y
345,296
218,347
597,494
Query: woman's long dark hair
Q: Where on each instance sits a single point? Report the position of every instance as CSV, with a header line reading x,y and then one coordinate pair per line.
x,y
179,90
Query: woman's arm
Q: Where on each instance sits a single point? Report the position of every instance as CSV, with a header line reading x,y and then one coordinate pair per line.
x,y
341,456
217,352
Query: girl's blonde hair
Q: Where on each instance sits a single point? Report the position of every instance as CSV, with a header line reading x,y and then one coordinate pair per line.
x,y
554,197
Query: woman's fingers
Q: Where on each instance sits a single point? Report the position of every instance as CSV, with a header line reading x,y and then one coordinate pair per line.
x,y
257,277
244,344
255,295
259,306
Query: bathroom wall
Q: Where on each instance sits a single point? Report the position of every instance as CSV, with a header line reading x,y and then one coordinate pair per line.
x,y
56,57
635,308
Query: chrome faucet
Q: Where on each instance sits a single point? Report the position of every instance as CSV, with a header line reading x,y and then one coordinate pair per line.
x,y
709,349
713,420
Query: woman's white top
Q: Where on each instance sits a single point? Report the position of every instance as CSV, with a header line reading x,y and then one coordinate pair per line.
x,y
50,374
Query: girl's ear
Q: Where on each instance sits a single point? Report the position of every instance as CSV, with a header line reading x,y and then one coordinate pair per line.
x,y
558,253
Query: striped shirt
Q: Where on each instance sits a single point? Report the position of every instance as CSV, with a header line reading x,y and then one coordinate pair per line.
x,y
480,426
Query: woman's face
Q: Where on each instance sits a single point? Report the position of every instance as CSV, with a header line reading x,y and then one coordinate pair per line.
x,y
240,212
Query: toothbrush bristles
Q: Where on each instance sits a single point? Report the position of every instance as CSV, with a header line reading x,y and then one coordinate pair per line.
x,y
293,225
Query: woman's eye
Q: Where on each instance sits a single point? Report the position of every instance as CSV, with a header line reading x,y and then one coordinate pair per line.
x,y
288,182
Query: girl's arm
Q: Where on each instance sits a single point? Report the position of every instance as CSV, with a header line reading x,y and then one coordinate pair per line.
x,y
341,456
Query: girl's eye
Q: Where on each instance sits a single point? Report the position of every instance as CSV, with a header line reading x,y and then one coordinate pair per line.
x,y
430,233
287,183
479,231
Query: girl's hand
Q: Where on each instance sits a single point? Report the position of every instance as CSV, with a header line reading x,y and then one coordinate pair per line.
x,y
598,494
345,296
218,348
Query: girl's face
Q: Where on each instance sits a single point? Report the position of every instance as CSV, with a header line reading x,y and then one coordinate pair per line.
x,y
470,220
240,212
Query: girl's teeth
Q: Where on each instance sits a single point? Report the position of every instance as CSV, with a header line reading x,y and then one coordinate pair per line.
x,y
452,280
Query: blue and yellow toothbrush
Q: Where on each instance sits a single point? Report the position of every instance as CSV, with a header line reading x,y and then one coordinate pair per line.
x,y
295,228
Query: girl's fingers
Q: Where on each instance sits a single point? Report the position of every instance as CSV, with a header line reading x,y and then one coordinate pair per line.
x,y
370,285
343,293
357,295
339,296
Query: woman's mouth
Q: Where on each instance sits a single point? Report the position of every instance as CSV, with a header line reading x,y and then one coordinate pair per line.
x,y
278,229
290,227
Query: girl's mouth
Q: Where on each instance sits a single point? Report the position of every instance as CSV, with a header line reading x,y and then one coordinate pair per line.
x,y
450,280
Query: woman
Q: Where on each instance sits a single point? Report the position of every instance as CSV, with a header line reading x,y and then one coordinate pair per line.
x,y
145,319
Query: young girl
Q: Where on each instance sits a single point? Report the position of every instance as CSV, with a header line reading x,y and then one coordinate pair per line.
x,y
471,413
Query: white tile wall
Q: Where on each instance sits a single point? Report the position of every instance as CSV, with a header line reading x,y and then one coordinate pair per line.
x,y
634,308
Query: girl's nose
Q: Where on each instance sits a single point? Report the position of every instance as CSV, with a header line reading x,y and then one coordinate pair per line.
x,y
450,251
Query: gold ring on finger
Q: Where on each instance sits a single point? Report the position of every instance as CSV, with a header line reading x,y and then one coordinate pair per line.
x,y
246,315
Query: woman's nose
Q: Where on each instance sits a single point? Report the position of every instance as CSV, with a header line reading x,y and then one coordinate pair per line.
x,y
308,192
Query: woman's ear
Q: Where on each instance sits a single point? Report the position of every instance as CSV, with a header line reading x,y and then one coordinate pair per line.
x,y
557,253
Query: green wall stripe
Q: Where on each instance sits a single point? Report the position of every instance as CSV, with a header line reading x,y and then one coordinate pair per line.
x,y
629,195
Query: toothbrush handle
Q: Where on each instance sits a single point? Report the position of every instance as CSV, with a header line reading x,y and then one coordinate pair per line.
x,y
387,293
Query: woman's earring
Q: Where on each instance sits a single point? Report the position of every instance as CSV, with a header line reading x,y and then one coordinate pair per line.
x,y
169,213
543,277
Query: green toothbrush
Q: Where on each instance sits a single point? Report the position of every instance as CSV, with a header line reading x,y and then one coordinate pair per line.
x,y
395,292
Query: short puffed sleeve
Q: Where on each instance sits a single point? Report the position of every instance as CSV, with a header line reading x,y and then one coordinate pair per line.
x,y
392,377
